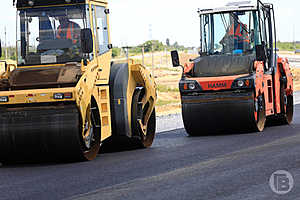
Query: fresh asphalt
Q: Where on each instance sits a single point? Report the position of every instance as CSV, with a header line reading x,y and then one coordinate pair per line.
x,y
221,167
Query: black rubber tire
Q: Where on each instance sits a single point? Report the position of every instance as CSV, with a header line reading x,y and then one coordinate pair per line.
x,y
287,112
261,117
289,109
137,139
143,141
89,154
147,141
285,118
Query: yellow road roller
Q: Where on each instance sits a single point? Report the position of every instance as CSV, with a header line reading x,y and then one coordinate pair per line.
x,y
65,98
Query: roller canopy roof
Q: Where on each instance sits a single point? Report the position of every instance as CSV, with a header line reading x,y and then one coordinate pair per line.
x,y
24,3
232,6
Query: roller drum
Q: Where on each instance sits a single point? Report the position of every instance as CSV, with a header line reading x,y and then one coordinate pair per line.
x,y
222,112
41,133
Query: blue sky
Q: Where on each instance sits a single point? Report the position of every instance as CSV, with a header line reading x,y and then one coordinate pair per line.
x,y
178,20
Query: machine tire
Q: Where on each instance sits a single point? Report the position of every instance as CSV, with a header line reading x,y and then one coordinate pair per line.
x,y
125,134
90,153
287,111
260,122
286,117
143,141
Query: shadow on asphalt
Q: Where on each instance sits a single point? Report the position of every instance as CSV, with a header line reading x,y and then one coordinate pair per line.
x,y
119,146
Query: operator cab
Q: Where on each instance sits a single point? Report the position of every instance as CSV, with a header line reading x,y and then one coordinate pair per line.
x,y
57,40
51,32
232,38
45,37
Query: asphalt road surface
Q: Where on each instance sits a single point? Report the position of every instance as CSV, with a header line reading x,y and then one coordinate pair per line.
x,y
233,166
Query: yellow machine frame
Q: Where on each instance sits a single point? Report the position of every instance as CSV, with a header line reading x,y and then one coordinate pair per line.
x,y
94,84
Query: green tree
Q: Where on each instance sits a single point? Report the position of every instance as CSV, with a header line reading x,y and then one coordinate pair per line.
x,y
116,52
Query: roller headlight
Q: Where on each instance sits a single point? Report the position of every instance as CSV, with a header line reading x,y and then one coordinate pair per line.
x,y
192,86
240,83
3,99
30,3
58,96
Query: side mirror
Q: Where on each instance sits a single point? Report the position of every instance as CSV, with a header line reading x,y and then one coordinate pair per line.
x,y
261,53
175,58
86,37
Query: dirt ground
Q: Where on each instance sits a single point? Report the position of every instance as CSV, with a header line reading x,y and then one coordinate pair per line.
x,y
296,76
167,79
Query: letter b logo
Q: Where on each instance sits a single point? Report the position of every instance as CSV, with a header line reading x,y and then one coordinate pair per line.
x,y
281,182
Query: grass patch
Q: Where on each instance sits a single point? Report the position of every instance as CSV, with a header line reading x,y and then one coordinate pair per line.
x,y
177,69
287,46
164,102
163,88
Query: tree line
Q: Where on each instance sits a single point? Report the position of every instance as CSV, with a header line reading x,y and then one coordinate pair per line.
x,y
11,53
149,46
